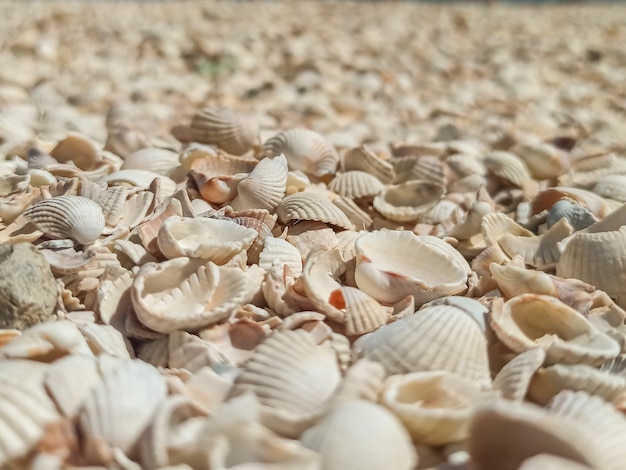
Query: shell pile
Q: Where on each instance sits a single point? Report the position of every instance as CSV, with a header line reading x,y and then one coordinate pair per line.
x,y
296,235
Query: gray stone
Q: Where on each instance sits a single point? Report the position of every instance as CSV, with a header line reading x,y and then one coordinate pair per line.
x,y
28,291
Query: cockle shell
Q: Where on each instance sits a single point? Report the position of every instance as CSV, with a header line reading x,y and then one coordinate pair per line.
x,y
551,462
292,377
542,159
235,133
598,259
513,380
158,160
612,187
405,202
428,168
393,264
70,380
311,206
531,320
78,149
277,250
305,150
356,184
363,159
186,294
264,187
363,314
361,434
435,338
119,410
508,167
435,407
216,240
74,217
546,198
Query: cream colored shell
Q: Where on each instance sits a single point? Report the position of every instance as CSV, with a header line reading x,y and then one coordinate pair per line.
x,y
356,184
311,206
406,202
264,187
234,133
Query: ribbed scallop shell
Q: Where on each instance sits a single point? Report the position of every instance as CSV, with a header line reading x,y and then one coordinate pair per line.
x,y
280,251
466,165
119,410
356,184
405,202
418,168
74,217
292,377
436,338
140,179
550,381
234,133
363,159
362,313
70,380
543,160
612,187
158,160
514,378
305,150
264,187
435,407
508,167
394,264
598,259
360,434
186,294
532,320
216,240
311,206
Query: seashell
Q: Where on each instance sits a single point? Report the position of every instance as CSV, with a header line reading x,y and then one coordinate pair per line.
x,y
435,407
119,410
277,250
544,161
612,187
531,320
577,216
105,339
427,168
355,214
465,165
361,434
508,167
189,352
264,187
436,338
232,132
391,265
305,150
321,274
140,179
219,165
551,462
546,198
362,313
73,217
356,184
470,225
204,292
78,149
292,377
124,139
363,159
25,410
157,160
311,206
548,382
216,240
405,202
363,380
261,221
598,259
513,380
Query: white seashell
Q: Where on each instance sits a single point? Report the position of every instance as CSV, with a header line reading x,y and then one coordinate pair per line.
x,y
277,250
363,159
292,378
78,149
108,340
321,281
577,216
435,407
264,187
70,381
305,150
542,159
216,240
311,206
186,294
551,462
140,179
394,264
158,160
362,313
531,320
235,133
356,184
514,378
612,187
546,198
424,167
509,167
405,202
436,338
74,217
360,434
363,380
119,410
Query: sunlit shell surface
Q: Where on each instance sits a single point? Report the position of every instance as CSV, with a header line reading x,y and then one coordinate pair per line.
x,y
234,133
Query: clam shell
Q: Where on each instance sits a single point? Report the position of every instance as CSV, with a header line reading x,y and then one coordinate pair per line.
x,y
362,313
356,184
305,150
508,167
119,410
612,187
264,187
235,133
186,294
514,378
78,149
321,274
435,407
292,377
74,217
362,381
405,202
546,198
277,250
418,168
391,265
70,381
363,159
216,240
436,338
158,160
531,320
361,434
542,159
311,206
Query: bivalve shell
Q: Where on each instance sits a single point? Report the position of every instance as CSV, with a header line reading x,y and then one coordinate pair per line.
x,y
363,159
356,184
311,206
405,202
264,187
234,133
